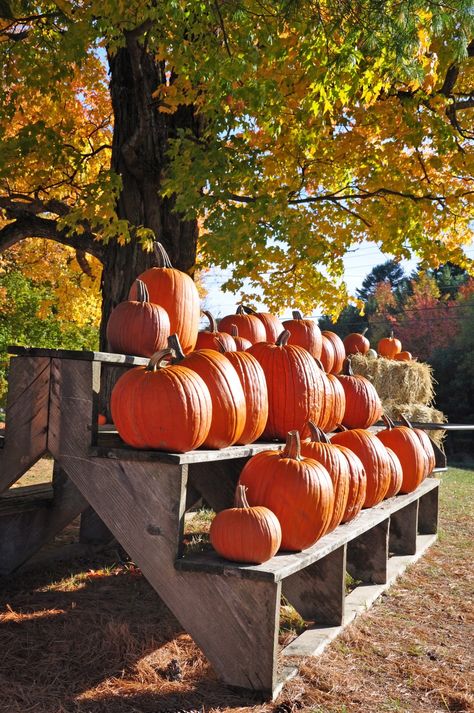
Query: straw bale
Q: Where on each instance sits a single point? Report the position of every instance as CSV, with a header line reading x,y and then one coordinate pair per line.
x,y
418,413
403,382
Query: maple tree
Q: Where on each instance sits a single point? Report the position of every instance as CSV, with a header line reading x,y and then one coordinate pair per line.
x,y
289,129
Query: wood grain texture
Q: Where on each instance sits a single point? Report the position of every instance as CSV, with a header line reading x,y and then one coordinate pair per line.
x,y
367,555
428,512
403,530
79,355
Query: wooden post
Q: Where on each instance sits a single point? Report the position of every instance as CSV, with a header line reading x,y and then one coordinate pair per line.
x,y
428,512
367,555
403,530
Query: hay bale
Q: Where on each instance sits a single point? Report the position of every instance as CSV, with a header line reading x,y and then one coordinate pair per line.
x,y
403,382
418,413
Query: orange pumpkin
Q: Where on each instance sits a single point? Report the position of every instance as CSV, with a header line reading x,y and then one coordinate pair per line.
x,y
255,390
339,351
212,339
374,459
405,443
363,405
176,292
328,356
138,326
249,325
244,533
162,406
298,490
389,346
241,343
272,324
357,484
425,441
356,343
396,474
101,419
304,333
403,356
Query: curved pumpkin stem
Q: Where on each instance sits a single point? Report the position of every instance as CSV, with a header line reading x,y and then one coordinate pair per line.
x,y
296,314
161,254
391,334
282,340
340,427
317,435
388,421
212,320
292,447
241,310
364,331
347,367
320,364
158,360
248,310
142,291
234,330
240,499
222,347
404,420
175,346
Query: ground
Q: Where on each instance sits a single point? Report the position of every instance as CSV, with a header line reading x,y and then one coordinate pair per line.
x,y
91,636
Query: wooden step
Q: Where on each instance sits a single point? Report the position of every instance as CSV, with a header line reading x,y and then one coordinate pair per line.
x,y
23,498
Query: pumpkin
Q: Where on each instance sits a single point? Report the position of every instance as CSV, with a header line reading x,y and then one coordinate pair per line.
x,y
244,533
176,292
295,386
272,324
304,333
356,343
338,351
255,390
138,326
241,343
334,401
162,406
389,346
363,405
372,354
213,339
327,354
330,456
425,441
101,419
298,490
405,443
374,459
396,474
357,484
403,356
227,395
249,325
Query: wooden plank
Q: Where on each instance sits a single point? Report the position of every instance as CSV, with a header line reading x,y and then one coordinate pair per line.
x,y
26,418
403,530
26,497
79,355
318,592
285,564
428,512
367,554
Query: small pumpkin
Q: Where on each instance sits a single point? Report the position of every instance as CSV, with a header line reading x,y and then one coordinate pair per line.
x,y
272,323
244,533
249,325
101,419
389,346
138,326
403,356
304,333
339,351
363,405
241,343
298,490
356,343
372,354
405,443
212,338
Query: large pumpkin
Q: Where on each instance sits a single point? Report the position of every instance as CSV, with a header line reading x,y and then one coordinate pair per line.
x,y
249,325
162,406
227,396
272,323
304,333
396,474
295,386
425,441
213,339
327,354
363,405
356,343
388,347
334,402
357,484
298,490
374,459
405,443
176,292
255,390
330,456
244,533
339,352
138,326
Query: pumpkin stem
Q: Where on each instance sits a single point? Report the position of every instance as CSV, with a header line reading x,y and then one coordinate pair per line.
x,y
248,310
282,340
157,358
340,427
240,310
175,345
404,420
364,331
234,330
212,320
296,314
142,291
292,447
347,369
391,334
161,255
388,421
319,363
222,347
240,499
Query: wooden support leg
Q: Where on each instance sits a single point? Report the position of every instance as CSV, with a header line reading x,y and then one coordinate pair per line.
x,y
318,592
428,513
367,555
93,530
216,481
403,530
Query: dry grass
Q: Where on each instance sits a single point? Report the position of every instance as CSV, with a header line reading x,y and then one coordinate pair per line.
x,y
92,637
402,382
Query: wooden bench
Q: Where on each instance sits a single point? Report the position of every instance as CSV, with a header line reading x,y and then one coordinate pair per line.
x,y
231,611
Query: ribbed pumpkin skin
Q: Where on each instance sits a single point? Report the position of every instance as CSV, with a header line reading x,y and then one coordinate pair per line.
x,y
139,328
388,347
357,484
363,406
339,351
177,294
168,409
242,344
356,343
338,404
273,325
405,443
403,356
299,492
337,466
305,333
250,535
255,390
249,326
427,447
374,459
327,354
396,474
295,387
215,341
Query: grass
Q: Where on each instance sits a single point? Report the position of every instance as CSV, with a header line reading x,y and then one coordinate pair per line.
x,y
91,636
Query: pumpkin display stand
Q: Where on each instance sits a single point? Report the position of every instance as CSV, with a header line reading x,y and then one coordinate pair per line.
x,y
231,610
